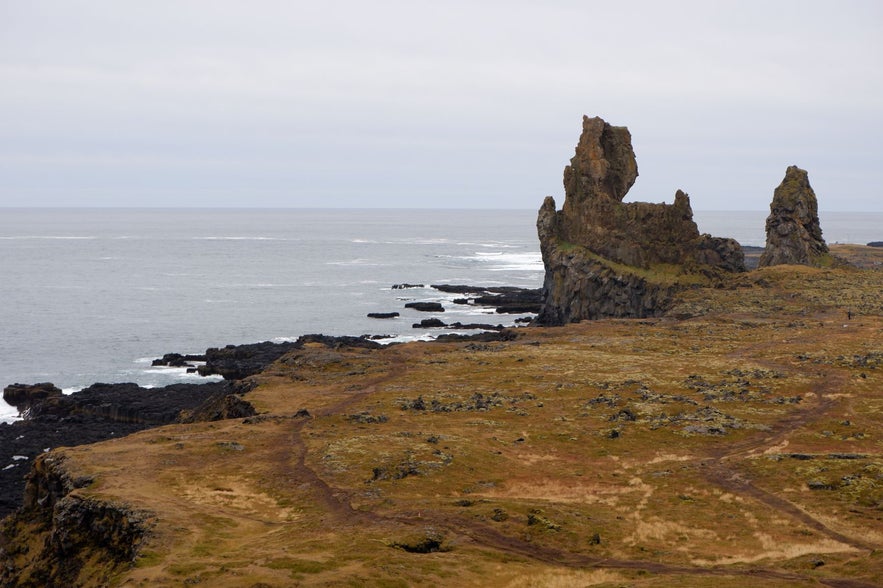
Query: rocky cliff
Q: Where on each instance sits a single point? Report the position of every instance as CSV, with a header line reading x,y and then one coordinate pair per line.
x,y
99,412
604,257
60,538
793,232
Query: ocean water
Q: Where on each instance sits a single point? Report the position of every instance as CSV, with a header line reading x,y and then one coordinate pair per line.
x,y
94,295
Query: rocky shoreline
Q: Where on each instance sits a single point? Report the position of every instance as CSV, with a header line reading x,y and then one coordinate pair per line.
x,y
106,411
97,413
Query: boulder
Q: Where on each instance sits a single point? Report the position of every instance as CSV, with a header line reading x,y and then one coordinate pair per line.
x,y
430,323
383,315
793,233
604,257
426,306
479,326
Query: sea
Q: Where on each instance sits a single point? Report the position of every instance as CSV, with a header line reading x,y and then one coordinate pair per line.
x,y
94,295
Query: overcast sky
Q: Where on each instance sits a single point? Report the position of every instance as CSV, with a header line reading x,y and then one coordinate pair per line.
x,y
342,103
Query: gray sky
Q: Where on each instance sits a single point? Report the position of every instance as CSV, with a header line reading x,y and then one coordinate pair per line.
x,y
415,103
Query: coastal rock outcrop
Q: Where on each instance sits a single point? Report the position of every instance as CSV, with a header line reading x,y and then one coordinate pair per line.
x,y
793,232
75,531
604,257
97,413
236,362
23,396
505,299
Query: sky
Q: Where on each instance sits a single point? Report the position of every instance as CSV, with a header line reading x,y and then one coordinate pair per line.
x,y
429,104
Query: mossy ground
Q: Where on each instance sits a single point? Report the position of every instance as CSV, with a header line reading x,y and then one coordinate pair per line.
x,y
740,445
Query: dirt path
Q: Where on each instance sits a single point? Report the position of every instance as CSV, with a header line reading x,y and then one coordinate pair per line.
x,y
721,470
717,469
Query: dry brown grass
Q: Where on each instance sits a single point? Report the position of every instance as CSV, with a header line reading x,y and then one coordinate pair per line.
x,y
616,452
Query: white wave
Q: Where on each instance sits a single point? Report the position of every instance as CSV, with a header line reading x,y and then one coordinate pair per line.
x,y
359,262
419,241
19,457
512,261
72,389
407,338
241,238
10,466
477,310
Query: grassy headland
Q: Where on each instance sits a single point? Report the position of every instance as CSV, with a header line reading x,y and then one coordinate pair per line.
x,y
736,440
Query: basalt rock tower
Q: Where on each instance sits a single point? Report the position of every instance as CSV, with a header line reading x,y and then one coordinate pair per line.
x,y
607,258
793,233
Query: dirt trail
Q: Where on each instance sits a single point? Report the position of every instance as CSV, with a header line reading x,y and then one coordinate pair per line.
x,y
723,472
717,470
335,500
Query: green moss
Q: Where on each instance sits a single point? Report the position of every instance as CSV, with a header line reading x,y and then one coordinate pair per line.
x,y
299,566
665,274
147,559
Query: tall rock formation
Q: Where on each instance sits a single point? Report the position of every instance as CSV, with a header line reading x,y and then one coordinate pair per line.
x,y
604,257
793,233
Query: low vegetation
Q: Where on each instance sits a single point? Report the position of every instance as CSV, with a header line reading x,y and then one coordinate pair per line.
x,y
735,441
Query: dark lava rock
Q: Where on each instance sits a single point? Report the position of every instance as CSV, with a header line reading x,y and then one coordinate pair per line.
x,y
23,396
504,335
220,407
236,362
383,315
875,244
506,299
476,326
406,286
430,323
523,301
426,306
178,360
459,289
793,233
590,245
76,531
97,413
